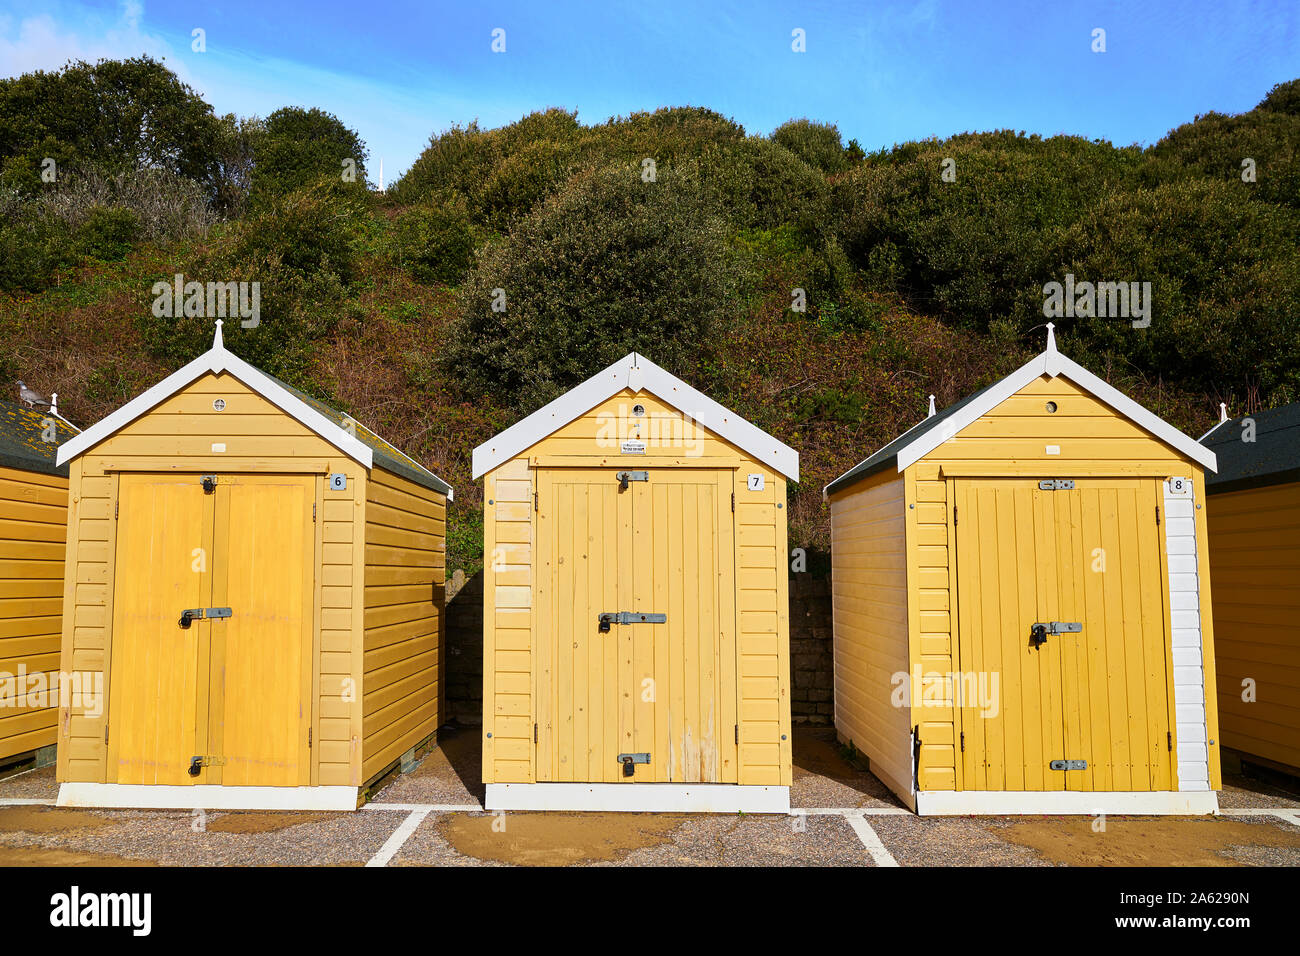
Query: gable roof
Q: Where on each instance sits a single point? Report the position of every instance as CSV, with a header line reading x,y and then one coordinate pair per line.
x,y
1273,458
638,373
928,434
344,433
22,439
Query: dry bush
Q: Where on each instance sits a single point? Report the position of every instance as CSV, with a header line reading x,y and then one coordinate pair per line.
x,y
167,206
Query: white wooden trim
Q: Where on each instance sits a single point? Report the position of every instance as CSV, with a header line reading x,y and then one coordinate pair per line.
x,y
1192,758
207,796
639,797
1081,802
1051,363
217,361
637,373
1054,364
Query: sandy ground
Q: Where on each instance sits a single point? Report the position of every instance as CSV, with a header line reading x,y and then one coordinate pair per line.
x,y
449,775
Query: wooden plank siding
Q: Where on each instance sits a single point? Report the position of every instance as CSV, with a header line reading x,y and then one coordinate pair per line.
x,y
869,605
1012,439
405,607
185,433
758,549
33,533
1255,564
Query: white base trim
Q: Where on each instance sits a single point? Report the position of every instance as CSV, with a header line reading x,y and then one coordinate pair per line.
x,y
206,796
638,797
1113,802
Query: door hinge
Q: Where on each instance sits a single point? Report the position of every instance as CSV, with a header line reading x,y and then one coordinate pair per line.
x,y
954,516
115,507
536,499
534,733
1157,514
963,741
1169,740
313,512
308,738
737,733
106,733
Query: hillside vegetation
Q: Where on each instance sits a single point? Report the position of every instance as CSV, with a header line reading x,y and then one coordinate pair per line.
x,y
821,291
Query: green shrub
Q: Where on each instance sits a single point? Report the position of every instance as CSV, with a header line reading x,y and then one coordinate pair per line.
x,y
764,186
965,248
302,251
1225,285
609,265
1216,146
817,144
456,162
1283,98
436,244
296,148
32,250
523,180
107,233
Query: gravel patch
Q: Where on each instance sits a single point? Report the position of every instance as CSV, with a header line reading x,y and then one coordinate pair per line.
x,y
824,778
450,774
177,838
31,785
949,841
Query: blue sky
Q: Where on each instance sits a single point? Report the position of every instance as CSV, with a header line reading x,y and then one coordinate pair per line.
x,y
884,71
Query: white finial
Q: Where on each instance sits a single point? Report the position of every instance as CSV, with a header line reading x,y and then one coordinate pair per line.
x,y
1051,337
1223,411
931,415
54,404
216,338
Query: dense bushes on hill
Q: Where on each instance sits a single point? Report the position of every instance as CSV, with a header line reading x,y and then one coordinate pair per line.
x,y
821,291
609,265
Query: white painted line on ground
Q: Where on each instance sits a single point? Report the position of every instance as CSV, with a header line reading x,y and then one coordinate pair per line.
x,y
24,802
399,837
879,854
428,807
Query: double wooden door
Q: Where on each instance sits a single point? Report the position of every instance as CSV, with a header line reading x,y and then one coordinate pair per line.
x,y
1098,697
233,691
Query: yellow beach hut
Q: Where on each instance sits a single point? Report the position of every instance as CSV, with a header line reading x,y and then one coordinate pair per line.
x,y
255,583
33,524
636,621
1022,605
1254,521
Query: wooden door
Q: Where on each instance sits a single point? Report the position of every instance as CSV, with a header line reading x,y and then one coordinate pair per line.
x,y
233,691
1008,690
659,546
163,566
1117,708
260,674
1088,555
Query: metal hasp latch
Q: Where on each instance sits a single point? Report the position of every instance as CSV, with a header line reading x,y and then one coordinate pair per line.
x,y
625,476
196,766
1056,484
629,617
189,615
629,762
1038,633
1069,765
209,483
